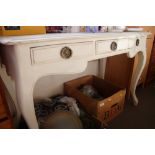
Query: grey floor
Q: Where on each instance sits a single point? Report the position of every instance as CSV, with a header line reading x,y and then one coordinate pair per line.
x,y
140,117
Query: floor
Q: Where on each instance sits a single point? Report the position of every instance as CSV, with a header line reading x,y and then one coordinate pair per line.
x,y
140,117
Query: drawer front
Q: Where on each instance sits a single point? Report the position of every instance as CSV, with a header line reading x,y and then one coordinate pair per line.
x,y
106,46
139,44
56,53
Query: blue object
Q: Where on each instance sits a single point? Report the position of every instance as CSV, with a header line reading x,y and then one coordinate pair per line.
x,y
93,29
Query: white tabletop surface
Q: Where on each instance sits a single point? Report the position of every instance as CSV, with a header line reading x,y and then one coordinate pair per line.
x,y
11,40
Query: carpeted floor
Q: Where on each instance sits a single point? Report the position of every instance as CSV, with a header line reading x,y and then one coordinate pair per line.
x,y
140,117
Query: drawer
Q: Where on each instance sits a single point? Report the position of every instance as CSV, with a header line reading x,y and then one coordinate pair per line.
x,y
109,45
62,52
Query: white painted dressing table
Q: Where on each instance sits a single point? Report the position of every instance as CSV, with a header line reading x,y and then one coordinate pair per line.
x,y
28,58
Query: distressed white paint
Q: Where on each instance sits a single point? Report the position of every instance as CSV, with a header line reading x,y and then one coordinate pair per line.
x,y
26,68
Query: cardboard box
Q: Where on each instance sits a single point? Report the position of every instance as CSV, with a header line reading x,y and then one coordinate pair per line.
x,y
104,110
21,30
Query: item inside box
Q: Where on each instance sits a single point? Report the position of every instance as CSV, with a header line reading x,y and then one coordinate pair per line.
x,y
98,97
90,91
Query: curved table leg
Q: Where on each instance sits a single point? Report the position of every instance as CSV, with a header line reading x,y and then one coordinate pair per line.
x,y
25,85
26,103
137,74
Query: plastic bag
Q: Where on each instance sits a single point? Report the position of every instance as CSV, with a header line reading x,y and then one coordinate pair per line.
x,y
91,92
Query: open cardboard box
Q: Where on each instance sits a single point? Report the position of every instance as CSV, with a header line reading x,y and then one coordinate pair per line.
x,y
104,110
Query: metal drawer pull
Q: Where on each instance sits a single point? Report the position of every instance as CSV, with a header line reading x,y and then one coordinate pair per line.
x,y
113,46
66,52
137,42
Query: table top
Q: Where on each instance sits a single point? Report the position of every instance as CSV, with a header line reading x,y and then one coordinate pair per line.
x,y
13,40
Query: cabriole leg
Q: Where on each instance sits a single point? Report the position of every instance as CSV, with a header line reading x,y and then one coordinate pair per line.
x,y
26,103
137,74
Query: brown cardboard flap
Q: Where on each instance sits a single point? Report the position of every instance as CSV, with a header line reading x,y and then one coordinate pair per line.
x,y
104,110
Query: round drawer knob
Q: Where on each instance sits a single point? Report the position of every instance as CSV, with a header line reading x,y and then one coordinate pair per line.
x,y
113,46
66,52
137,42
